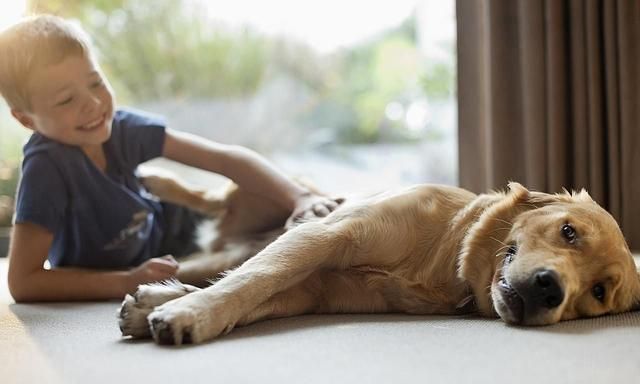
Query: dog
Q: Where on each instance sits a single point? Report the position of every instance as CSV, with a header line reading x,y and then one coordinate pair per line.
x,y
527,257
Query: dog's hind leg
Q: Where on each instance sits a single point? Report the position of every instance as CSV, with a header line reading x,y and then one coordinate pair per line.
x,y
201,269
297,300
284,263
172,190
326,291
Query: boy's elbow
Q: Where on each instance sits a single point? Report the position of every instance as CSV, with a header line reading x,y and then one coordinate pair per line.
x,y
19,299
20,292
19,296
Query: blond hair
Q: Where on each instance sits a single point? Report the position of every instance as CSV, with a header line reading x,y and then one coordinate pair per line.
x,y
31,44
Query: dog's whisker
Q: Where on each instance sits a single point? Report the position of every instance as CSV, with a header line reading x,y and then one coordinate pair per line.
x,y
501,229
504,221
505,246
499,241
501,250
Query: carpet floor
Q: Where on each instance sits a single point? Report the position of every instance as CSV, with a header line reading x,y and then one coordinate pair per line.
x,y
81,343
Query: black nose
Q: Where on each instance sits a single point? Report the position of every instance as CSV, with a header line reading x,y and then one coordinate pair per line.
x,y
544,290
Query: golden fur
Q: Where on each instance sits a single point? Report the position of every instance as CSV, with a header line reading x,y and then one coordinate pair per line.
x,y
428,249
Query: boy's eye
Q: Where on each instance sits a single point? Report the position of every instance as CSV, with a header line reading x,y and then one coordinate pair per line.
x,y
65,101
96,84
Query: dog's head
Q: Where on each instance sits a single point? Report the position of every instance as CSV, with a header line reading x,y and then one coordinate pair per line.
x,y
565,257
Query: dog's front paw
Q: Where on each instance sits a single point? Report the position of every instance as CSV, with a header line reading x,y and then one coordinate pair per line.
x,y
185,321
132,315
132,318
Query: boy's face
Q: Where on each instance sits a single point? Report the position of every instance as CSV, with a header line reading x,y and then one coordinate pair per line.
x,y
71,102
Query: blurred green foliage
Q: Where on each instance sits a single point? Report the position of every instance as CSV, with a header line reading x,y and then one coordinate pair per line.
x,y
438,81
12,137
9,174
154,49
163,49
169,49
375,73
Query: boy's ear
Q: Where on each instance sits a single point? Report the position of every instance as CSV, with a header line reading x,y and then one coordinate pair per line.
x,y
23,118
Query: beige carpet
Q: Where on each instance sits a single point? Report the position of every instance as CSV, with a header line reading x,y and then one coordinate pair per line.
x,y
80,343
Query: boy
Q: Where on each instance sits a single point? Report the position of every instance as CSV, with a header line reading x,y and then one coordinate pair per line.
x,y
79,203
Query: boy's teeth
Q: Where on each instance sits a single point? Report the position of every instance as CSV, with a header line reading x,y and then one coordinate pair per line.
x,y
93,123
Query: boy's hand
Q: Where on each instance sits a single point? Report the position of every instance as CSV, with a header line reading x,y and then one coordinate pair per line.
x,y
156,269
312,206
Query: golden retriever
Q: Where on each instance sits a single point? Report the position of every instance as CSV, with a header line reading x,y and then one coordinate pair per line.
x,y
530,258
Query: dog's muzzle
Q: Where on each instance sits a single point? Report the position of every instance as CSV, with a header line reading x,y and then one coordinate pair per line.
x,y
526,299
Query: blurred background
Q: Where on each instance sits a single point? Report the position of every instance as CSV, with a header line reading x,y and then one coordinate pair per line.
x,y
353,95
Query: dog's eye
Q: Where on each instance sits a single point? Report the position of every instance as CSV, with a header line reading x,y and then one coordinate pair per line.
x,y
510,253
598,292
569,233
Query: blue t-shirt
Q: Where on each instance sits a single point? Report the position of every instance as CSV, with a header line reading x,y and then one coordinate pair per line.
x,y
99,219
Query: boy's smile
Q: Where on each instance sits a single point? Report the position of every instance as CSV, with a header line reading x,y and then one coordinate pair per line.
x,y
72,103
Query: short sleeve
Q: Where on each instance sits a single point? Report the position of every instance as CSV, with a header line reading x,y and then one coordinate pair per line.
x,y
42,197
138,136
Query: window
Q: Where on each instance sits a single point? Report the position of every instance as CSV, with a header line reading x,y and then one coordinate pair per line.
x,y
354,99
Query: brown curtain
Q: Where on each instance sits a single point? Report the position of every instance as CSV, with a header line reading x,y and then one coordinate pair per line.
x,y
549,95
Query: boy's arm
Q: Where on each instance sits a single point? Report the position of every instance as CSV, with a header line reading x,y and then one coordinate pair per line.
x,y
246,168
30,282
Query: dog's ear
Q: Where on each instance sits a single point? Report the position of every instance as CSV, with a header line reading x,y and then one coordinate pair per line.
x,y
517,188
541,198
517,193
581,196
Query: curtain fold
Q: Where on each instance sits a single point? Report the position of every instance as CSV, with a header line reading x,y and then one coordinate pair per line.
x,y
549,95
